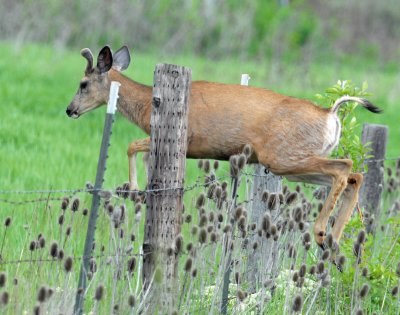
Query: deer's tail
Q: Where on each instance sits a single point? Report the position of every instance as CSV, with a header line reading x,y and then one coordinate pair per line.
x,y
364,102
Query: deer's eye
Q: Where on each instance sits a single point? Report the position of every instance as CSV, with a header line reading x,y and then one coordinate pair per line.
x,y
84,85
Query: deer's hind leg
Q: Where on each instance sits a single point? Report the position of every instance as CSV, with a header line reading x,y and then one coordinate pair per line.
x,y
350,199
142,145
337,170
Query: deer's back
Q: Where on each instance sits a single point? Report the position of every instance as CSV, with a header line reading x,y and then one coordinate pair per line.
x,y
223,118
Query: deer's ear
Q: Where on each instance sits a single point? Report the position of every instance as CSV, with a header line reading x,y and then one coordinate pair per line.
x,y
104,60
121,58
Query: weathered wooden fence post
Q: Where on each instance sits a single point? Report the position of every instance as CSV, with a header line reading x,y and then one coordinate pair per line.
x,y
164,200
371,190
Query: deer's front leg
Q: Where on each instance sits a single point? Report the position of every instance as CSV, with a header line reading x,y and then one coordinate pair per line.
x,y
142,145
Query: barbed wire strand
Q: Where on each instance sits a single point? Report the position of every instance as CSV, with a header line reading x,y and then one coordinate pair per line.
x,y
117,191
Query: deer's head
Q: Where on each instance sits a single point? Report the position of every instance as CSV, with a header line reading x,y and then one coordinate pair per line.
x,y
94,87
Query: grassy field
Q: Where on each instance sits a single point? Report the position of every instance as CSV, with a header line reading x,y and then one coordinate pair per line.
x,y
43,149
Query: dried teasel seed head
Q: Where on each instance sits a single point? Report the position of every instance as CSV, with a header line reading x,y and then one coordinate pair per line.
x,y
7,222
357,249
312,269
238,213
75,205
325,255
54,249
291,198
131,300
306,237
188,264
189,247
213,237
85,211
227,228
361,237
61,219
302,270
42,242
295,276
203,236
200,164
211,217
364,272
266,222
320,267
194,273
99,293
273,229
234,169
255,245
60,254
178,244
32,246
341,260
200,201
241,295
273,201
297,304
395,291
264,196
5,298
359,312
194,230
3,279
207,166
216,165
203,220
131,264
68,264
42,294
36,310
364,290
65,203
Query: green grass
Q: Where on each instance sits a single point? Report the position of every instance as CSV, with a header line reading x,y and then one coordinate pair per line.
x,y
41,148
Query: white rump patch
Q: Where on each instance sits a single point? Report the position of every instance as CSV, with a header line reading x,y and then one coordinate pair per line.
x,y
332,134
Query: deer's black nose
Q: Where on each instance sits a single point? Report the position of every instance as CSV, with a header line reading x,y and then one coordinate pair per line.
x,y
69,112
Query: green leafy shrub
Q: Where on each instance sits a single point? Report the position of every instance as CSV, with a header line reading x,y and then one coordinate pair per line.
x,y
350,145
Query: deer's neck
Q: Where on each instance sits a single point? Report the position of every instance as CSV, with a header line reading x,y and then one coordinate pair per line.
x,y
134,100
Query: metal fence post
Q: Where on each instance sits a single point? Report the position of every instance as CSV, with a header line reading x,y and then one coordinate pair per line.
x,y
101,167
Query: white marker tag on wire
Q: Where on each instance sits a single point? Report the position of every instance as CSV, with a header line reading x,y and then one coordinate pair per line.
x,y
245,79
112,101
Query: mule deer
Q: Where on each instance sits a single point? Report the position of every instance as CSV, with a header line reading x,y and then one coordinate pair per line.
x,y
289,136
